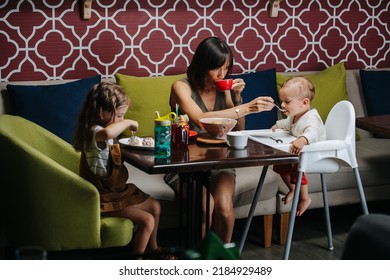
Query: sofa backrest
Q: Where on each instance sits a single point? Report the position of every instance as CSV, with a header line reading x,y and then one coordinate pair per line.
x,y
25,133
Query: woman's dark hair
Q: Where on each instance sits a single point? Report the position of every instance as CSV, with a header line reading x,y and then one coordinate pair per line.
x,y
211,53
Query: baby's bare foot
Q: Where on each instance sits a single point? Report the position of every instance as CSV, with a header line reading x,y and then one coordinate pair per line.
x,y
289,196
303,204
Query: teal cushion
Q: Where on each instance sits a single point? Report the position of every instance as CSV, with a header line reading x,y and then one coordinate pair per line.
x,y
260,83
376,91
54,107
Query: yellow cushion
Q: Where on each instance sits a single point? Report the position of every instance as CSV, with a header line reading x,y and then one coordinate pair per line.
x,y
147,95
330,88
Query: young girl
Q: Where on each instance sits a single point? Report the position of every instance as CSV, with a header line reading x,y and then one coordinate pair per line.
x,y
304,123
100,122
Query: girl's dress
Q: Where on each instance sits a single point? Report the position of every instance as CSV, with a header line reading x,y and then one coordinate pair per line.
x,y
115,193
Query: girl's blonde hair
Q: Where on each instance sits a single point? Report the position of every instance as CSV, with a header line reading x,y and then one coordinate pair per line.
x,y
305,86
104,97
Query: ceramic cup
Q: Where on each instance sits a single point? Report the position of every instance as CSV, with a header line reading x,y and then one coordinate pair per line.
x,y
223,85
237,139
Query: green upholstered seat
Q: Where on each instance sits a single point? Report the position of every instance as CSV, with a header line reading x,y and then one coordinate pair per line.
x,y
46,203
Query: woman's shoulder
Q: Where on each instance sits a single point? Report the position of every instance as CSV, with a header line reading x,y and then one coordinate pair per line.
x,y
182,84
182,81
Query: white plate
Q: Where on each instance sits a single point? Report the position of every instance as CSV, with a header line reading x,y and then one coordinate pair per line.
x,y
125,141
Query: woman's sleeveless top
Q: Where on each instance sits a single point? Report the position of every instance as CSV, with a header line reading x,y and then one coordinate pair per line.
x,y
220,103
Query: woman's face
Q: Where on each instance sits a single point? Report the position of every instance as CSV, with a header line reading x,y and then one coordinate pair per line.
x,y
219,73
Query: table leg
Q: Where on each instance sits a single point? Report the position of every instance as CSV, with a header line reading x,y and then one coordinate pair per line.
x,y
253,208
194,204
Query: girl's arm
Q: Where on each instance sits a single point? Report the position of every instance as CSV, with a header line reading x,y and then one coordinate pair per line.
x,y
115,129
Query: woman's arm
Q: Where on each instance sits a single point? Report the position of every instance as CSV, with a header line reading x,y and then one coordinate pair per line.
x,y
181,94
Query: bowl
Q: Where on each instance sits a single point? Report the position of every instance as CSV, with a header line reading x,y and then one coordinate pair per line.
x,y
224,84
218,127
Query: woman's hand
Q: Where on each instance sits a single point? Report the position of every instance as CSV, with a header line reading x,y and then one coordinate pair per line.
x,y
238,86
260,104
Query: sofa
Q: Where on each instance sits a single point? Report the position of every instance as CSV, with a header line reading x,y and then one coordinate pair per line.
x,y
46,203
52,119
372,152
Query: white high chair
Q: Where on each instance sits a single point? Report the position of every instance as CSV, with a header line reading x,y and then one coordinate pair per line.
x,y
327,157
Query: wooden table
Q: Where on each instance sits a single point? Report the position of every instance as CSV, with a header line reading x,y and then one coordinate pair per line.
x,y
199,159
376,124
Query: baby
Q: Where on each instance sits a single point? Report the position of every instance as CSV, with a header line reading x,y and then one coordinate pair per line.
x,y
306,125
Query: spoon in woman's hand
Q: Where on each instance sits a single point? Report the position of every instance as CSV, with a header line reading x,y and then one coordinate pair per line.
x,y
280,109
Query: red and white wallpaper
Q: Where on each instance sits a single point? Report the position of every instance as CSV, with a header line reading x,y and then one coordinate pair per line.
x,y
47,39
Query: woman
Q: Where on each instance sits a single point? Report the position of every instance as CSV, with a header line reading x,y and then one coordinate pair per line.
x,y
198,97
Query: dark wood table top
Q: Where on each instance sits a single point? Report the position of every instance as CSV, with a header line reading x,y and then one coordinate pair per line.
x,y
376,124
203,157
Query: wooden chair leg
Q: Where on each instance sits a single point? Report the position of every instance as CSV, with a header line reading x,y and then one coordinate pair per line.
x,y
284,218
268,230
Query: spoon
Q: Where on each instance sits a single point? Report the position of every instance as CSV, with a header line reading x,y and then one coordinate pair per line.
x,y
280,109
279,141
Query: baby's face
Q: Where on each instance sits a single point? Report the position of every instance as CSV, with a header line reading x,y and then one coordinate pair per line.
x,y
292,101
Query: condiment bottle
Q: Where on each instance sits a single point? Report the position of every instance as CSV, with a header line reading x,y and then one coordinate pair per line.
x,y
180,133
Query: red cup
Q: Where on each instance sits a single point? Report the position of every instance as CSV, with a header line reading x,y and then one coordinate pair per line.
x,y
224,84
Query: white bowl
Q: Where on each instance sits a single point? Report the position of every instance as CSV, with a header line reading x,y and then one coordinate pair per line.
x,y
218,127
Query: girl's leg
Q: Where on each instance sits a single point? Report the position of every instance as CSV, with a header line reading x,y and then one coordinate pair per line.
x,y
223,219
153,207
145,222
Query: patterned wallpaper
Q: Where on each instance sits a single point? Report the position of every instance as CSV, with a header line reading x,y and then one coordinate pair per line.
x,y
47,39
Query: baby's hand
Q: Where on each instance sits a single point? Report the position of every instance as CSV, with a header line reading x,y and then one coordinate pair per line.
x,y
274,127
297,145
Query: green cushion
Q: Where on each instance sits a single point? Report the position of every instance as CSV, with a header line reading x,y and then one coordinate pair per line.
x,y
147,95
111,236
330,87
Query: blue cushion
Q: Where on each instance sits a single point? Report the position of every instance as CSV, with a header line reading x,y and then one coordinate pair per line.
x,y
376,91
260,83
54,107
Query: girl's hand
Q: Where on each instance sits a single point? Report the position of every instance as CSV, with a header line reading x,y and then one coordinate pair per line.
x,y
133,126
